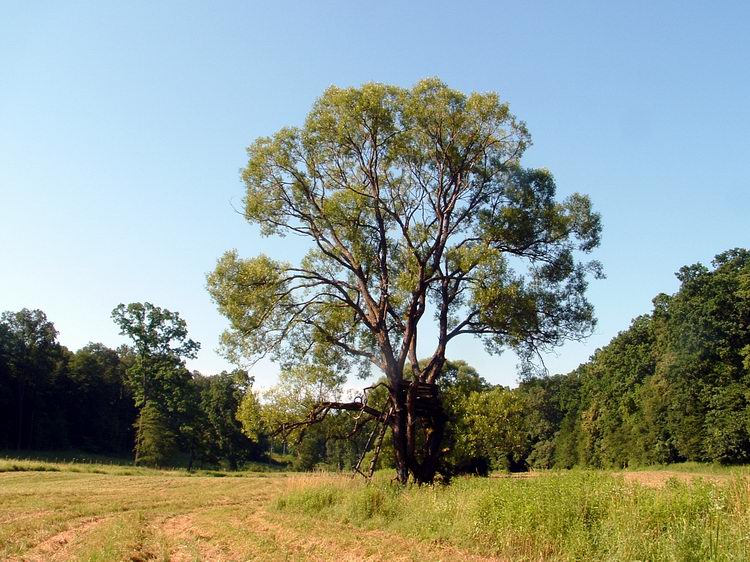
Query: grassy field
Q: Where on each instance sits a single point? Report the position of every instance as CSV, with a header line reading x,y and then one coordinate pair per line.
x,y
67,511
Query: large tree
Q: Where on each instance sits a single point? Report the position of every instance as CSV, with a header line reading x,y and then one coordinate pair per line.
x,y
417,210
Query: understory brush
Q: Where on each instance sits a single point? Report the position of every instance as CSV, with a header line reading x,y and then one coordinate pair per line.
x,y
577,515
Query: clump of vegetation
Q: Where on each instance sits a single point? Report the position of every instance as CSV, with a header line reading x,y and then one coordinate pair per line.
x,y
579,515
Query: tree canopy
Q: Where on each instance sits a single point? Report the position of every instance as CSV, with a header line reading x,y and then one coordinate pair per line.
x,y
417,209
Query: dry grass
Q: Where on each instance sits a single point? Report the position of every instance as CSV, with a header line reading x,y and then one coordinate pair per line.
x,y
62,515
659,479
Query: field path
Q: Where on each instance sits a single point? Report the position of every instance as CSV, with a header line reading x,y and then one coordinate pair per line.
x,y
275,537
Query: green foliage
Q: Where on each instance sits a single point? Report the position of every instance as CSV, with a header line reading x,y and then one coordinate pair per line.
x,y
158,377
493,427
299,389
366,162
156,441
31,368
458,383
160,343
221,399
675,386
704,329
85,402
101,411
250,415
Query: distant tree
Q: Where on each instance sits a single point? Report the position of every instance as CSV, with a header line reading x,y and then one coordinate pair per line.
x,y
458,383
547,400
99,405
221,397
157,376
250,415
416,208
493,428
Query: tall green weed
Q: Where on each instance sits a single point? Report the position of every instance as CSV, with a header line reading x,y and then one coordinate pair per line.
x,y
577,515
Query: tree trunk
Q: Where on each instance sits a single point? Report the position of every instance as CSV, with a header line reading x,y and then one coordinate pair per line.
x,y
398,432
138,438
416,439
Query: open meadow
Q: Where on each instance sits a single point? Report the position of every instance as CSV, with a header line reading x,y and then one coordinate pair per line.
x,y
71,511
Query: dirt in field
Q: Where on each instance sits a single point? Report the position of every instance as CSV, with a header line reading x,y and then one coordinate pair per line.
x,y
650,478
335,541
190,542
659,478
288,537
56,546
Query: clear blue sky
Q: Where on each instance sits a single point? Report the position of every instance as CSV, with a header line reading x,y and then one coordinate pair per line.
x,y
123,127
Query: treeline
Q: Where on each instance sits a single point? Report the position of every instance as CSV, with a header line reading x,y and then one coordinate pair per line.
x,y
97,399
51,397
673,387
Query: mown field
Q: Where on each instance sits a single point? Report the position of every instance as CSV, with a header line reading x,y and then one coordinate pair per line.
x,y
74,511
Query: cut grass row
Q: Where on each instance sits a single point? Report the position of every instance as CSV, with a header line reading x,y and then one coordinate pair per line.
x,y
68,515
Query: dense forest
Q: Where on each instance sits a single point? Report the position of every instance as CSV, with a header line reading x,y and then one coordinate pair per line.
x,y
674,386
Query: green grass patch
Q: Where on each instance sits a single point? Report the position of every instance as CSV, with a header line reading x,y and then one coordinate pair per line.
x,y
94,464
578,515
25,465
